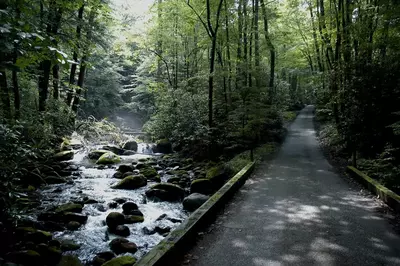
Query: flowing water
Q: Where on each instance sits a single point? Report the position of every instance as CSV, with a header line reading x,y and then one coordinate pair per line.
x,y
95,183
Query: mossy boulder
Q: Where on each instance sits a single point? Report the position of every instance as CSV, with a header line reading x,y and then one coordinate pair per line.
x,y
33,235
71,144
114,219
129,207
69,207
194,201
150,173
163,146
120,230
96,154
72,216
122,245
109,158
166,191
25,257
102,258
218,175
51,255
131,182
130,145
69,260
202,186
114,149
125,168
69,245
64,156
131,219
174,180
73,226
121,261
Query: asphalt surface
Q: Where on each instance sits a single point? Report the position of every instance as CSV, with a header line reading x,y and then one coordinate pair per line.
x,y
297,211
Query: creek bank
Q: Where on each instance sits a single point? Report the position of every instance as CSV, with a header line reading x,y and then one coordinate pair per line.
x,y
65,206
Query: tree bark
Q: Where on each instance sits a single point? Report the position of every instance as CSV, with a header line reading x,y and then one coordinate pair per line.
x,y
75,57
256,45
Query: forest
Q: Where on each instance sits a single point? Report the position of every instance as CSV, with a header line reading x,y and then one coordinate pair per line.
x,y
214,79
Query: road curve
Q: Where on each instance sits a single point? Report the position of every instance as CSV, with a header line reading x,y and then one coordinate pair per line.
x,y
298,211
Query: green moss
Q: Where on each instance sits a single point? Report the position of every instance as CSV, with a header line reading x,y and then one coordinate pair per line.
x,y
64,156
163,141
96,154
69,207
109,158
131,219
288,116
121,261
69,260
150,173
131,182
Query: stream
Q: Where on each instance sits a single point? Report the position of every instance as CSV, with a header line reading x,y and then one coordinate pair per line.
x,y
91,181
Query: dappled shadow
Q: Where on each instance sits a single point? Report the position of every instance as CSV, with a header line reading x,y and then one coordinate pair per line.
x,y
299,212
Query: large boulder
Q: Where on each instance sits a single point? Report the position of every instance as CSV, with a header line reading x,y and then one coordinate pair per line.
x,y
69,207
129,207
69,260
150,173
113,148
71,144
96,154
64,156
76,217
109,158
203,186
102,258
194,201
166,191
132,219
30,234
25,257
120,230
122,245
121,261
131,182
125,168
114,219
130,145
218,175
163,146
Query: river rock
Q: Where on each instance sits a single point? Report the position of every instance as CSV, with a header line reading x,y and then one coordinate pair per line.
x,y
173,180
114,219
73,226
102,258
218,175
96,154
69,260
163,146
109,158
135,172
120,230
113,148
140,165
77,217
127,153
131,219
50,255
31,234
131,182
118,175
128,207
194,201
162,230
150,173
130,145
166,191
125,168
69,207
122,245
202,186
25,257
69,245
121,261
64,156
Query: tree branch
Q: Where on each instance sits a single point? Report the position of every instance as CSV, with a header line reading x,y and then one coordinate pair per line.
x,y
166,65
201,20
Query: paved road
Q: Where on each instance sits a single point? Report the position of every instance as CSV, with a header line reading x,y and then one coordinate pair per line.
x,y
297,211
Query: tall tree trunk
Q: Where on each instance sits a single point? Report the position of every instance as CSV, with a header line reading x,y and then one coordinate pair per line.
x,y
81,78
56,78
316,45
256,45
228,55
5,95
239,46
72,74
245,42
159,41
53,24
272,53
17,98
